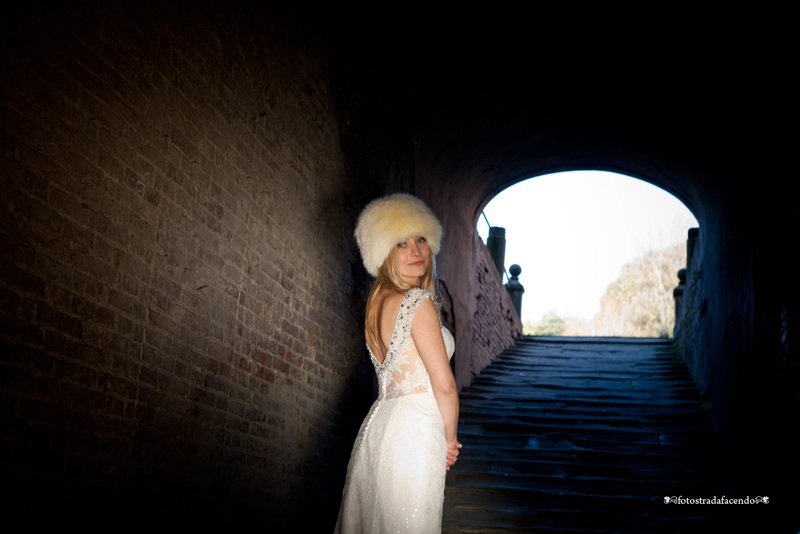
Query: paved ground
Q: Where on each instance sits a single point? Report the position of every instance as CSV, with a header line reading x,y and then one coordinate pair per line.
x,y
567,435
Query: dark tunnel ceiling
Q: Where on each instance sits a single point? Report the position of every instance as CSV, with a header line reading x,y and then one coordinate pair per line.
x,y
482,88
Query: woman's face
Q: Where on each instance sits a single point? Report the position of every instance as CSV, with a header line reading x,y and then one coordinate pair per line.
x,y
413,256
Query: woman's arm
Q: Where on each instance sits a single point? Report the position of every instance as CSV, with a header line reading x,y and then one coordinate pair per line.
x,y
427,334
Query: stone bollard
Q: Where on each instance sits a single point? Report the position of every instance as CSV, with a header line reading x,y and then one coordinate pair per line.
x,y
515,289
677,293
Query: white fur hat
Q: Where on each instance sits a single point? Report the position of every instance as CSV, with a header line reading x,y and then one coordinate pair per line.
x,y
387,221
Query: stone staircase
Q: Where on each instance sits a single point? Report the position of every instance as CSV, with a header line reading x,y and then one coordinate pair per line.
x,y
567,435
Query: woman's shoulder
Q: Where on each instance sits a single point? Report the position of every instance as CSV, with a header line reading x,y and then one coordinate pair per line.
x,y
410,299
417,297
417,293
393,302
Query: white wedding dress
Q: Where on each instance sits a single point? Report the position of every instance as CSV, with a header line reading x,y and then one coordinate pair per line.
x,y
396,474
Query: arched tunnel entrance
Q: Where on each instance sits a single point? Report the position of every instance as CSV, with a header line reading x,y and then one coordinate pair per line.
x,y
572,235
488,140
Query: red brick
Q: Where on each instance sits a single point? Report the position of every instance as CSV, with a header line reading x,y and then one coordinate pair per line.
x,y
162,230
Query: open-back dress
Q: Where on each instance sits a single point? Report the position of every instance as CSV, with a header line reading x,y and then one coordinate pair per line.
x,y
396,474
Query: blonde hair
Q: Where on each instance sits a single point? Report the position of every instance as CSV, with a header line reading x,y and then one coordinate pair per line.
x,y
389,279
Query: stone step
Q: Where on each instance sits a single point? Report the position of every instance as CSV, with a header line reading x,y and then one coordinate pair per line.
x,y
568,435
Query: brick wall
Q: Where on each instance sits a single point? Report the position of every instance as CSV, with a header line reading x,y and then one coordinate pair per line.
x,y
691,323
494,325
179,342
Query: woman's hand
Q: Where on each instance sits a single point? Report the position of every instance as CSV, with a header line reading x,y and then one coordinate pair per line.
x,y
452,454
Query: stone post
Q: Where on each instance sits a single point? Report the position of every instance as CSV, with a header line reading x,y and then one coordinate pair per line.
x,y
496,243
677,293
515,288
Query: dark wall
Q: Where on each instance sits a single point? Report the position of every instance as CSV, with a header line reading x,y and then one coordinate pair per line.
x,y
180,326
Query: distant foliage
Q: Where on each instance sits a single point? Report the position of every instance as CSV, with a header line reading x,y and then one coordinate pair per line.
x,y
639,303
550,325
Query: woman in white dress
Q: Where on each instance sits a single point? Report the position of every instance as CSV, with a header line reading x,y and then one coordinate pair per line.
x,y
396,474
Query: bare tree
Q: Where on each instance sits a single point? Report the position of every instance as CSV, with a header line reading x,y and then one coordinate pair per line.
x,y
640,302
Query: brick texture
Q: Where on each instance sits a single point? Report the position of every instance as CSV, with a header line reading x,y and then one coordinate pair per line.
x,y
494,325
179,339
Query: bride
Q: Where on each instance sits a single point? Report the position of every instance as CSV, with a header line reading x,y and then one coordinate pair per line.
x,y
396,474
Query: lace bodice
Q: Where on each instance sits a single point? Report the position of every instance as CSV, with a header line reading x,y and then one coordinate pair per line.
x,y
402,371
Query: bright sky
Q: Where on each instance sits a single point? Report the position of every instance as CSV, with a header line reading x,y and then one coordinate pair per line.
x,y
571,233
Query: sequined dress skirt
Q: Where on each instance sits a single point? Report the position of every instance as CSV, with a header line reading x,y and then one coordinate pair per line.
x,y
396,474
